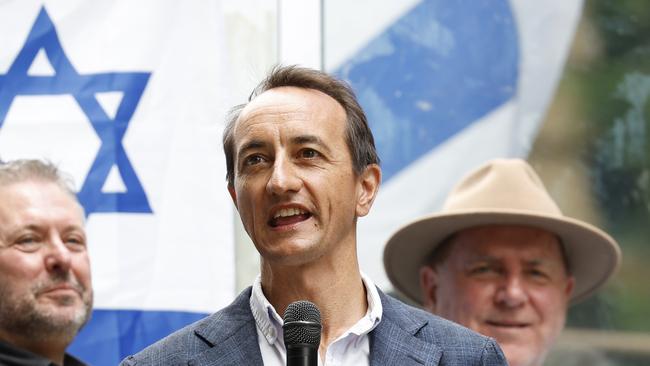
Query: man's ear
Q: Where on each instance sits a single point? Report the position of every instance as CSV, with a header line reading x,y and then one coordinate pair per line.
x,y
428,287
570,285
233,195
368,187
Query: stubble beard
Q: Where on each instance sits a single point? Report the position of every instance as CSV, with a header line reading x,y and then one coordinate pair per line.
x,y
25,317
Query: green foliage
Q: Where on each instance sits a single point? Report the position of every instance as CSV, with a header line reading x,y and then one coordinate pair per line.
x,y
614,88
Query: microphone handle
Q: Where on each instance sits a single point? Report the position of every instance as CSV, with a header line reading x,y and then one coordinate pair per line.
x,y
302,355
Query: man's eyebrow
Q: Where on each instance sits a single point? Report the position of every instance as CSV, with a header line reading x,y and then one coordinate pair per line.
x,y
310,139
37,227
482,257
31,227
297,140
251,145
490,258
12,231
536,262
74,227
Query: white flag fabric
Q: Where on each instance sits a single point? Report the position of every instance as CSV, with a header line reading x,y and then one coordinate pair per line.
x,y
446,85
129,98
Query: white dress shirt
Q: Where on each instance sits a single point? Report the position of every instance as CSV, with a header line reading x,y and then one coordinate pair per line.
x,y
351,348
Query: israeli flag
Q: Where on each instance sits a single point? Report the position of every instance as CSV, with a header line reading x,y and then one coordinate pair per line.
x,y
446,85
129,98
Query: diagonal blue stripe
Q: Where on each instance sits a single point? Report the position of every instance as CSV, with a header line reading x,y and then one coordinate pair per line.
x,y
432,73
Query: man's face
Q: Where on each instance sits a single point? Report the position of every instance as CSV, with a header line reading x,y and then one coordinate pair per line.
x,y
506,282
295,188
45,287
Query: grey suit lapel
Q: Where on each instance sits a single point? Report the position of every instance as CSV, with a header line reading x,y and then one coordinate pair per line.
x,y
394,341
232,337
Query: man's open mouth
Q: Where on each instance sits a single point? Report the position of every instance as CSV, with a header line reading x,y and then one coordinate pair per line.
x,y
288,216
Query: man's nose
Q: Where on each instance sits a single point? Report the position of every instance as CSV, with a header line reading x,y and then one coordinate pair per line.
x,y
511,292
284,177
58,256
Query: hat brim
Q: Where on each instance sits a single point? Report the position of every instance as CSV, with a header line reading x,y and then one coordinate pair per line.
x,y
593,256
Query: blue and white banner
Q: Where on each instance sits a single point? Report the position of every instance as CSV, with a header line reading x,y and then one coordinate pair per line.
x,y
129,98
447,85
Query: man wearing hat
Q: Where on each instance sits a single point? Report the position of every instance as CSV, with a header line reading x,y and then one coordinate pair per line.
x,y
502,260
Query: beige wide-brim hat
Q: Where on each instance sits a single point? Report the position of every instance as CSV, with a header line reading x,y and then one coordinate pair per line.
x,y
501,192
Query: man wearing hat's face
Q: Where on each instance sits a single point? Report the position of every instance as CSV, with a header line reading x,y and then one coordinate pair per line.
x,y
502,260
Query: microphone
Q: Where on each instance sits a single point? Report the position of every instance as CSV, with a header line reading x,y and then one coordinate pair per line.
x,y
301,330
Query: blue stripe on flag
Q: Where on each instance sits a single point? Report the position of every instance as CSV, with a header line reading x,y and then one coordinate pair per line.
x,y
433,72
112,335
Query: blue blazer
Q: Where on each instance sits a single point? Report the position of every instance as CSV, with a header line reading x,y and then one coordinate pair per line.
x,y
405,336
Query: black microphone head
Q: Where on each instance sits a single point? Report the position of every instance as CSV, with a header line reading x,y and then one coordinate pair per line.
x,y
302,324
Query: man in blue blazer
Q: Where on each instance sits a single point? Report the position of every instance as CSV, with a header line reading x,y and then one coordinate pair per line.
x,y
301,168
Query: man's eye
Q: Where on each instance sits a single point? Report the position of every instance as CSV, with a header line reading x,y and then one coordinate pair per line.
x,y
26,240
75,242
309,153
537,273
481,269
28,243
253,160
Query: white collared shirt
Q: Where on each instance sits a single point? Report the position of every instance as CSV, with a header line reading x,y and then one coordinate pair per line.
x,y
351,348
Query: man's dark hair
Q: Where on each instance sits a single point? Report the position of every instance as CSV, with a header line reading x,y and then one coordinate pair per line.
x,y
358,135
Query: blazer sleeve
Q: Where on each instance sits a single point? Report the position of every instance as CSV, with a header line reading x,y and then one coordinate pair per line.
x,y
492,354
129,361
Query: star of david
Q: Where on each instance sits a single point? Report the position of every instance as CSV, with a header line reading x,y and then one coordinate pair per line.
x,y
66,80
